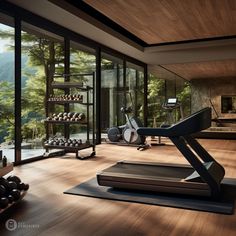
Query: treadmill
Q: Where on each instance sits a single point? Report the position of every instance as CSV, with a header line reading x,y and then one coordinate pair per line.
x,y
201,178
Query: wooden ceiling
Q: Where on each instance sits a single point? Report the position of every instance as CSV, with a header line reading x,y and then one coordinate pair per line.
x,y
162,21
154,24
204,70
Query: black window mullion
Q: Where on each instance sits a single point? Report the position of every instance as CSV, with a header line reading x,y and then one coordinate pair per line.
x,y
17,89
98,95
145,105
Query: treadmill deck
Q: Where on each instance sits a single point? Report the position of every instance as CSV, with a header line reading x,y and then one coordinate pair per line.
x,y
157,177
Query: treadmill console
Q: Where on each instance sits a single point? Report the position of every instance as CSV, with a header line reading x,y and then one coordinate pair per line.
x,y
171,102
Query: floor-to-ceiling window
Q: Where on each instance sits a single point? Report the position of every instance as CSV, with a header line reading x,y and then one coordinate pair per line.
x,y
122,85
7,86
183,93
42,55
163,85
156,97
112,91
135,87
82,66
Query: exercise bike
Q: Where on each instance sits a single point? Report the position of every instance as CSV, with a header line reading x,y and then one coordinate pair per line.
x,y
127,133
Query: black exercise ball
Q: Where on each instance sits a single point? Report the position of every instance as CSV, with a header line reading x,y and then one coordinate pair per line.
x,y
3,202
26,187
21,186
16,194
2,191
14,178
11,185
4,183
10,198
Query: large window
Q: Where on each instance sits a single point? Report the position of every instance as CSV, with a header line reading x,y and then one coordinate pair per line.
x,y
42,55
183,93
112,91
135,86
119,89
82,61
33,54
7,87
156,97
164,85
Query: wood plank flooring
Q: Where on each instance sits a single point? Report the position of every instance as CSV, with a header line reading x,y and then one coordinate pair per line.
x,y
47,211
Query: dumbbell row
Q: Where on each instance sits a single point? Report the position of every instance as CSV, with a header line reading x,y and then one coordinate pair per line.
x,y
64,142
70,116
66,97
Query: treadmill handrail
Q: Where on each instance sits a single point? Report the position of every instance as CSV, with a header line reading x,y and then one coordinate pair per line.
x,y
192,124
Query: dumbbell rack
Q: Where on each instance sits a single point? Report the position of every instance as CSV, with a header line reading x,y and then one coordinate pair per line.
x,y
3,171
66,86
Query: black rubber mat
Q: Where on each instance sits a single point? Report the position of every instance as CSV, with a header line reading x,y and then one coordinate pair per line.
x,y
224,206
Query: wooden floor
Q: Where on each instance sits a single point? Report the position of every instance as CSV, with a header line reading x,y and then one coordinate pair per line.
x,y
47,211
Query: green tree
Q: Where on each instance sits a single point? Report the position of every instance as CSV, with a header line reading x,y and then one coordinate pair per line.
x,y
184,97
6,111
45,57
156,97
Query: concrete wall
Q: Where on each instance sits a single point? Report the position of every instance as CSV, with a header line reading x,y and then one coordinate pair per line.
x,y
205,89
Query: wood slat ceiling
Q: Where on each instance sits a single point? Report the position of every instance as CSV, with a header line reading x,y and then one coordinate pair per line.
x,y
204,70
161,21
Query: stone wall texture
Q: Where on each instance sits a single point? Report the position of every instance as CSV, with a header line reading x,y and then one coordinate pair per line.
x,y
202,90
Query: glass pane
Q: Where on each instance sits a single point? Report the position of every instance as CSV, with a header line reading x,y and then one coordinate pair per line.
x,y
183,93
163,85
156,97
7,87
135,86
42,55
82,61
112,92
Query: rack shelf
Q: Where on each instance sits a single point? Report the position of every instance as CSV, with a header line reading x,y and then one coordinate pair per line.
x,y
74,149
69,101
64,85
81,146
87,93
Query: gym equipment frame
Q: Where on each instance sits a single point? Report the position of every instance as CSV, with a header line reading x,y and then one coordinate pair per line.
x,y
201,178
